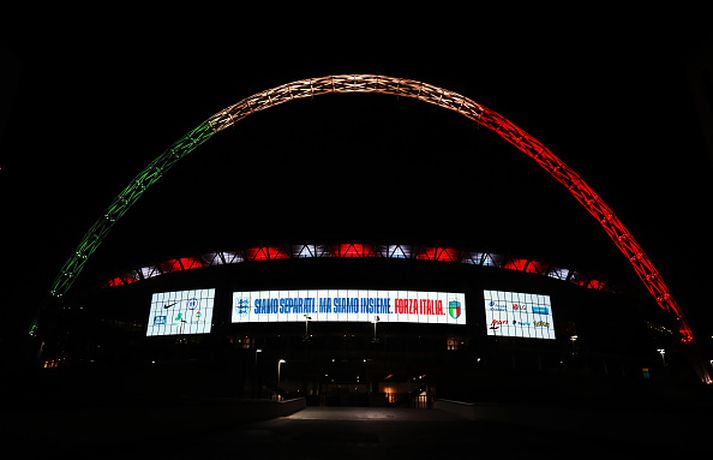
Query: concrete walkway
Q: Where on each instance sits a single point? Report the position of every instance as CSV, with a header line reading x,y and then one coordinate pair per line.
x,y
355,414
362,433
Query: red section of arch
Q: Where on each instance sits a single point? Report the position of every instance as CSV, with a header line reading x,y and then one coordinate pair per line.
x,y
594,204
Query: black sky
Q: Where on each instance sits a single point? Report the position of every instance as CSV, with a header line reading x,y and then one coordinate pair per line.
x,y
85,116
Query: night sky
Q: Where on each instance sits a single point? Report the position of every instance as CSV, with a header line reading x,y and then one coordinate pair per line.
x,y
79,121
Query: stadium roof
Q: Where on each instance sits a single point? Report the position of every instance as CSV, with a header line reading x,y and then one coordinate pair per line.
x,y
357,250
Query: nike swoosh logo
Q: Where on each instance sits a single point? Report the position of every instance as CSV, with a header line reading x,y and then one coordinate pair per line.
x,y
170,305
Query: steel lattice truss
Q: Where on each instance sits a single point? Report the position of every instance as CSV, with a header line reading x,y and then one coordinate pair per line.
x,y
412,89
362,251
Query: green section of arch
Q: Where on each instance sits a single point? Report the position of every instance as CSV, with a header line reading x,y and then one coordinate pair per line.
x,y
301,89
124,201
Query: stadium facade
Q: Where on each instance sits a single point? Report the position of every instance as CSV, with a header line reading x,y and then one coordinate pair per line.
x,y
367,324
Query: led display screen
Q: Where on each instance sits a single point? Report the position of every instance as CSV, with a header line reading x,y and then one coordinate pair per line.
x,y
349,305
181,312
518,314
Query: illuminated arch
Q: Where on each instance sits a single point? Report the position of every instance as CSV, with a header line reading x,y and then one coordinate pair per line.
x,y
412,89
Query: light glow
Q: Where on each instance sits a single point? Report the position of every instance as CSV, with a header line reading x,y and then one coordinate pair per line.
x,y
349,305
181,312
518,314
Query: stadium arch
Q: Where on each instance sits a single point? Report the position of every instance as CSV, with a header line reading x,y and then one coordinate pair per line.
x,y
379,84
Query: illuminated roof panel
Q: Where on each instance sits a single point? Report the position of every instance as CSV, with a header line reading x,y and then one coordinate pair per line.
x,y
357,250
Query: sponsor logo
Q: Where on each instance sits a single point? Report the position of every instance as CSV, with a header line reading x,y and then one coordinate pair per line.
x,y
541,324
521,323
454,309
496,323
492,306
159,320
242,306
519,307
169,305
192,303
540,310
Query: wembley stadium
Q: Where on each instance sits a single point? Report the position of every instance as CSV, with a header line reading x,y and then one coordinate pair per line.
x,y
332,320
363,321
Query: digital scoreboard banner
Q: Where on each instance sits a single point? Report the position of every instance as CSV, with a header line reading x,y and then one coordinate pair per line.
x,y
181,312
349,305
517,314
